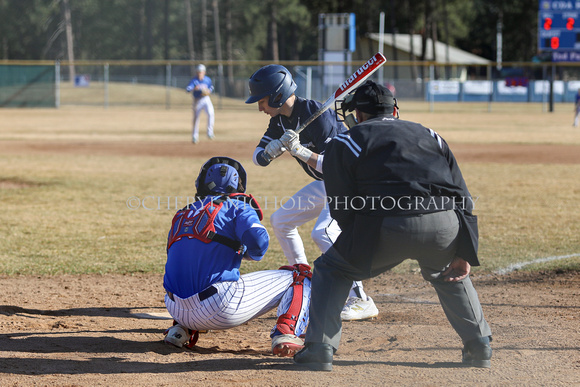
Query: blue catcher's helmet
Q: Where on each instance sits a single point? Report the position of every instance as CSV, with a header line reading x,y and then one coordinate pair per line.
x,y
274,81
221,175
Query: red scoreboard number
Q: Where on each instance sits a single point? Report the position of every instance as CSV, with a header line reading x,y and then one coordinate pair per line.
x,y
558,31
569,23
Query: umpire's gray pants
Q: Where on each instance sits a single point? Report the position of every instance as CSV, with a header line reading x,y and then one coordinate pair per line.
x,y
431,239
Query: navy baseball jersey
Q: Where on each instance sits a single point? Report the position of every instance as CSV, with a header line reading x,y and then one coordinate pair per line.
x,y
314,137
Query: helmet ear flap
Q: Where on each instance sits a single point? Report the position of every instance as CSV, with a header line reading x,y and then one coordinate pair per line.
x,y
286,88
276,100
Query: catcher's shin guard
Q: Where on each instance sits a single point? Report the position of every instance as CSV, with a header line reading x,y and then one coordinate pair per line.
x,y
293,309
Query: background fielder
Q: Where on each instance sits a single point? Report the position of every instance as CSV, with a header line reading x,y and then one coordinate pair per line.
x,y
205,247
272,87
202,87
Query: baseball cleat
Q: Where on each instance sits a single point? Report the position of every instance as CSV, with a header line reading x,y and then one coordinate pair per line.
x,y
358,309
286,345
177,335
477,353
195,139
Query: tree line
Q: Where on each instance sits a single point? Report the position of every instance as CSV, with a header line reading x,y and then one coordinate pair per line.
x,y
249,29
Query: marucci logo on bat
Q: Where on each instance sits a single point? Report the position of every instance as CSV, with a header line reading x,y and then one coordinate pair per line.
x,y
372,63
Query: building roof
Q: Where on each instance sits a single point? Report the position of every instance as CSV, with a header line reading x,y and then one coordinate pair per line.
x,y
403,43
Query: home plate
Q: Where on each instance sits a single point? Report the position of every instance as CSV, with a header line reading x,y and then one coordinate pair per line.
x,y
154,315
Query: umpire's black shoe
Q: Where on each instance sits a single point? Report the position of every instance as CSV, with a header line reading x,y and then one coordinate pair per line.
x,y
477,353
315,356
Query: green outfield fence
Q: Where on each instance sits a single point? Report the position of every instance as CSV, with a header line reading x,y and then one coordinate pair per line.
x,y
28,86
162,83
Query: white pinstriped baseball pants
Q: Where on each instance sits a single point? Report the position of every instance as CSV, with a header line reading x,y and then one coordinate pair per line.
x,y
237,302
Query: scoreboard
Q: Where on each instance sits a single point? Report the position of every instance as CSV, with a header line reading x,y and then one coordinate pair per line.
x,y
559,25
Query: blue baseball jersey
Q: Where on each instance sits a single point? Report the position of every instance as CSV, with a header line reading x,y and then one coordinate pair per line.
x,y
314,137
193,265
205,81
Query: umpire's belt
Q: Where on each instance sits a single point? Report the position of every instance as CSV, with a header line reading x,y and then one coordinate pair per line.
x,y
203,295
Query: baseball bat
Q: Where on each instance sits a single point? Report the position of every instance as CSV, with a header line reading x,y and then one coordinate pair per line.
x,y
351,83
354,81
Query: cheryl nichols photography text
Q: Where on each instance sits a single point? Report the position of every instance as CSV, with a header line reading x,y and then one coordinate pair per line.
x,y
356,203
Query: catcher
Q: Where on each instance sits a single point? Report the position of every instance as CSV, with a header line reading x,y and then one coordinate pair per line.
x,y
206,244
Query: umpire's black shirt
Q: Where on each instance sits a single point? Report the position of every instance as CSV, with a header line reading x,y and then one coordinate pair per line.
x,y
390,167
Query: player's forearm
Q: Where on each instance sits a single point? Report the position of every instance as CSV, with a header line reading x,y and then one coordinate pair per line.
x,y
317,162
314,160
256,239
259,158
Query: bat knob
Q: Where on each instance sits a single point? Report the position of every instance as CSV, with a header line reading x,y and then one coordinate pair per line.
x,y
267,157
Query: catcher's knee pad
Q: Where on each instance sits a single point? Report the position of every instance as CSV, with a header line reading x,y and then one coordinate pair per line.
x,y
293,309
300,271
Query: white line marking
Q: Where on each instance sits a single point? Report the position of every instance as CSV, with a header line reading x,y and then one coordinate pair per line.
x,y
153,315
517,266
503,271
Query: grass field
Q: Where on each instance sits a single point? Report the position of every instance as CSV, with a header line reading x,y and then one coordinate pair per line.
x,y
69,212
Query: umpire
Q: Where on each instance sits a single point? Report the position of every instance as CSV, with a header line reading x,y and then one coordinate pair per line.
x,y
397,192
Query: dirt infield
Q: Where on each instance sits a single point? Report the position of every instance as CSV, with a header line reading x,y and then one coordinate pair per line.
x,y
85,330
90,329
500,153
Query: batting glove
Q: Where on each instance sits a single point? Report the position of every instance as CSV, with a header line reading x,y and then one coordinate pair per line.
x,y
291,142
289,137
274,148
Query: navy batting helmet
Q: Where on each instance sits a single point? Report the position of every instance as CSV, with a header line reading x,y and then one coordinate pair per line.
x,y
221,175
274,81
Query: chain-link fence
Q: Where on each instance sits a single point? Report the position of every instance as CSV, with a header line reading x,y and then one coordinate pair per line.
x,y
162,83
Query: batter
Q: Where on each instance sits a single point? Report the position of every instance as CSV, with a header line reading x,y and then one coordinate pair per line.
x,y
272,87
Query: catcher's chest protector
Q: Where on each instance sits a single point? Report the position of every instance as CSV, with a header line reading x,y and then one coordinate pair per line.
x,y
198,224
